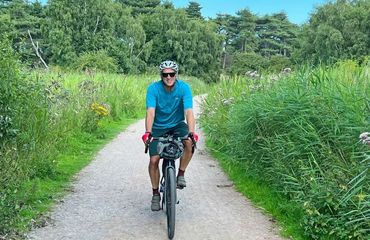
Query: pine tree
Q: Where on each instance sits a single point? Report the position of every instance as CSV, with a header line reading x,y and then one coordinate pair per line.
x,y
142,6
193,10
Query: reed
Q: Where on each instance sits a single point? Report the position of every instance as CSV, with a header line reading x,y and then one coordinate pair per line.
x,y
299,134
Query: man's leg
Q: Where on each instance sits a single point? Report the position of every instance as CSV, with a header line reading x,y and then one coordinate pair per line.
x,y
184,162
182,130
154,178
154,171
186,157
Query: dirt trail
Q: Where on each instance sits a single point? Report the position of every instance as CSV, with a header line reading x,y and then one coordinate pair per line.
x,y
111,200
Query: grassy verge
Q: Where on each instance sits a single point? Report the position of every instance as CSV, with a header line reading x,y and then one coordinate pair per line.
x,y
287,213
38,195
300,135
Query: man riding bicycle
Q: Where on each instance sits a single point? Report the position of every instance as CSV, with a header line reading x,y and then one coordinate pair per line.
x,y
168,103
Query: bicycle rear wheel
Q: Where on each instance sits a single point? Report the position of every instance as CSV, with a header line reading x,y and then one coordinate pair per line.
x,y
170,195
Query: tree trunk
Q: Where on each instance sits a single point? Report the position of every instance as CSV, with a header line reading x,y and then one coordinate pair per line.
x,y
36,47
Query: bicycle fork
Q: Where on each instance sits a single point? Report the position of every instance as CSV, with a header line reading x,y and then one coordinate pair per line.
x,y
165,165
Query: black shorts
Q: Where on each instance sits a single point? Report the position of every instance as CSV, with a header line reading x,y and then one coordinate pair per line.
x,y
180,130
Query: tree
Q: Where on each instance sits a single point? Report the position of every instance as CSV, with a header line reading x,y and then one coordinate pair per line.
x,y
5,3
75,27
276,35
17,17
168,4
194,44
193,10
336,30
246,40
142,6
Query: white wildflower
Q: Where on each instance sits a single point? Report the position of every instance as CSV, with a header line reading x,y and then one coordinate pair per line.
x,y
365,138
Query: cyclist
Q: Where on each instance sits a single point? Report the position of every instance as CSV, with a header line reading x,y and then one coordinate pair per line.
x,y
168,103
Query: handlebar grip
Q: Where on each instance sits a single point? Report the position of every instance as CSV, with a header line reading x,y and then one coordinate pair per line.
x,y
147,145
194,143
146,148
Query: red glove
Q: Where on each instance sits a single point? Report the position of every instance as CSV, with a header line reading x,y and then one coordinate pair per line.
x,y
147,136
194,136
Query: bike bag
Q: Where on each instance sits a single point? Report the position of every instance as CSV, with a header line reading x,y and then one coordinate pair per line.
x,y
170,148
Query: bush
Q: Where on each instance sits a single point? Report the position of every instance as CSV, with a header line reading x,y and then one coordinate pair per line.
x,y
277,63
22,132
9,83
243,62
95,61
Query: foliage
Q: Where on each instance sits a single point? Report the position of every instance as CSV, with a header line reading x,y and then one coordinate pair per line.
x,y
244,62
193,10
277,35
278,63
95,61
23,133
9,83
192,43
249,35
140,34
300,134
336,30
16,19
107,26
141,7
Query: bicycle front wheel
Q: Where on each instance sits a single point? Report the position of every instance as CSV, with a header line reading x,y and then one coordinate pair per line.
x,y
170,201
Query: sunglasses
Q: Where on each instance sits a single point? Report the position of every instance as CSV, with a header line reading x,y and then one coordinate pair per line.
x,y
172,74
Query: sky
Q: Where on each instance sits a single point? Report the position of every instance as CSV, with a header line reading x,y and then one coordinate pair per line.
x,y
298,11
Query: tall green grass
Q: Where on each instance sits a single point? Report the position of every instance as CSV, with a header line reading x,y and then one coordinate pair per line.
x,y
299,134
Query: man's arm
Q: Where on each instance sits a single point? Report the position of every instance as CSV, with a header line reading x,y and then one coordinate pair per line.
x,y
149,119
189,115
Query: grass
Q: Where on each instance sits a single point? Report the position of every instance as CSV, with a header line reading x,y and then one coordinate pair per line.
x,y
285,212
299,136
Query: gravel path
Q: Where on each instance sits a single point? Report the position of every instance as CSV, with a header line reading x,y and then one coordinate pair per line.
x,y
111,200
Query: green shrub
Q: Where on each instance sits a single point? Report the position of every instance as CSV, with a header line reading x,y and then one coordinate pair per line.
x,y
9,83
244,62
23,111
278,63
95,62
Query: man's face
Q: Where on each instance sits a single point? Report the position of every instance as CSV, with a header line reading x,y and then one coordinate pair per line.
x,y
168,76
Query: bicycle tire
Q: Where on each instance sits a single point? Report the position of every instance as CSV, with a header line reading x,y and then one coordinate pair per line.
x,y
170,201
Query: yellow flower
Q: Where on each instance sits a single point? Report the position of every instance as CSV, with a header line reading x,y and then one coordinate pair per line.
x,y
100,109
361,196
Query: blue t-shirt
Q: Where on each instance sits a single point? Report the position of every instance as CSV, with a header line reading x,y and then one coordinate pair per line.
x,y
169,106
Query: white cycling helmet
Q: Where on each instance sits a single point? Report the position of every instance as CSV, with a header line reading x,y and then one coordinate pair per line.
x,y
169,64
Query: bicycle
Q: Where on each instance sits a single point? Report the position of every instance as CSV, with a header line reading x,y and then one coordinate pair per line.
x,y
170,148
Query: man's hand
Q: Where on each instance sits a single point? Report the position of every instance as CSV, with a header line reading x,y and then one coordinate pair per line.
x,y
146,137
194,136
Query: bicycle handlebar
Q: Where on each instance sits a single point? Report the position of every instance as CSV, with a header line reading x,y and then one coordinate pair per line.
x,y
194,143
